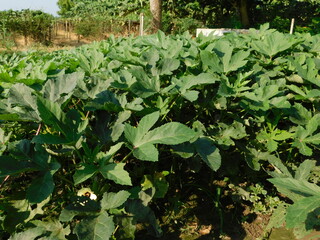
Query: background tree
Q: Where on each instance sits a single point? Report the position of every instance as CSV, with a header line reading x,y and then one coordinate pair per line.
x,y
65,6
174,16
243,10
101,8
156,12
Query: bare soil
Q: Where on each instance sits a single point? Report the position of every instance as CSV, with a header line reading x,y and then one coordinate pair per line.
x,y
60,40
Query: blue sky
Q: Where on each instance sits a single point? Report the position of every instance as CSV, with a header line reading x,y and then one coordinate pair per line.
x,y
48,6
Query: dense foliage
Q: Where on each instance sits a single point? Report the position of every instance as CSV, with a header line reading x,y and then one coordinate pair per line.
x,y
80,8
182,15
28,23
94,138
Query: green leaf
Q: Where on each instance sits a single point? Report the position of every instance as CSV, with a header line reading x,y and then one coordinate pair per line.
x,y
10,166
105,100
145,86
313,124
48,139
116,173
118,126
29,234
114,200
95,228
146,152
280,170
40,188
187,82
156,181
52,114
302,136
273,43
146,123
299,188
270,138
18,211
170,134
12,117
102,158
300,144
151,57
142,213
208,152
54,227
84,173
142,139
89,59
22,96
277,218
253,156
235,61
211,60
184,150
81,205
298,212
223,59
281,135
128,229
167,66
228,132
191,95
43,160
130,133
300,115
309,71
60,89
67,215
297,90
37,209
304,170
261,98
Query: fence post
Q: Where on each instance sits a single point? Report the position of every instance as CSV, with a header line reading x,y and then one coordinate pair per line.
x,y
67,28
292,24
129,27
56,26
141,24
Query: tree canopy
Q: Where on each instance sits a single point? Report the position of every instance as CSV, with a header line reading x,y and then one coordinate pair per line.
x,y
81,8
183,14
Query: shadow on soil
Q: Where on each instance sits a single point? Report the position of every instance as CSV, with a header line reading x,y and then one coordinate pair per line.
x,y
199,219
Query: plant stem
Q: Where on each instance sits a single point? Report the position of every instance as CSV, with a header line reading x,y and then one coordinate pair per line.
x,y
4,180
38,130
126,157
65,179
171,105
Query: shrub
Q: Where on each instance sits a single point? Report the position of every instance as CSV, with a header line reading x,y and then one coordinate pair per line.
x,y
89,27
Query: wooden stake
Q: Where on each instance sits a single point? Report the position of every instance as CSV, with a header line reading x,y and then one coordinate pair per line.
x,y
292,24
129,26
141,24
65,29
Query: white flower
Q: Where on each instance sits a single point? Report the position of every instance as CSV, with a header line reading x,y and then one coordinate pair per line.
x,y
87,192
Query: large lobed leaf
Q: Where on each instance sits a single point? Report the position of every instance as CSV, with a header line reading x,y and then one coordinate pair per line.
x,y
60,89
295,189
114,200
142,139
95,228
